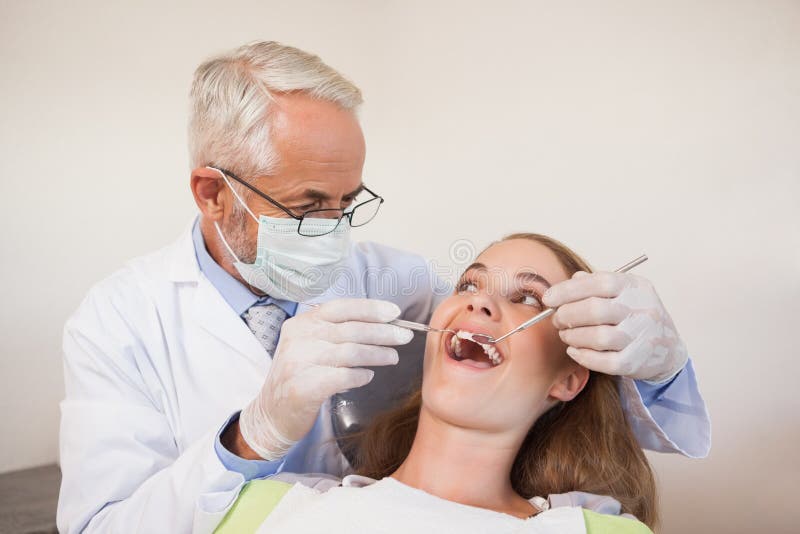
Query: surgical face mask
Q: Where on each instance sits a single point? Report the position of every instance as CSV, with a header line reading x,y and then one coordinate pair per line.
x,y
290,266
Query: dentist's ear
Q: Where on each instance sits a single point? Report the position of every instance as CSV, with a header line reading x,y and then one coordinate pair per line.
x,y
571,382
208,188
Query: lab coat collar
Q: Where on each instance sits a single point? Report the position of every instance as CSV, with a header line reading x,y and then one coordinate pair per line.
x,y
214,315
183,266
235,293
209,308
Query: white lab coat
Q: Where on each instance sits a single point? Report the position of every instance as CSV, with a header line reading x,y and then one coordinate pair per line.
x,y
155,362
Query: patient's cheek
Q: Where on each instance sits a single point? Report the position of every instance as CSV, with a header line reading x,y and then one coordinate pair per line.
x,y
431,349
546,353
443,313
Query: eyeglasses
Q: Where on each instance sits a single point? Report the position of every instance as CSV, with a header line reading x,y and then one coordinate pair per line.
x,y
357,215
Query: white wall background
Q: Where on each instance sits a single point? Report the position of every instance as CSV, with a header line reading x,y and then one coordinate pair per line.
x,y
671,128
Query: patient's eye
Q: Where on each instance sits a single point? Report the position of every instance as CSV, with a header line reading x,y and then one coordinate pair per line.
x,y
529,298
467,286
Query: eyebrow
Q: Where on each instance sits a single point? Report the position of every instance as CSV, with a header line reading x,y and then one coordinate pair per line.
x,y
533,277
316,194
478,266
526,276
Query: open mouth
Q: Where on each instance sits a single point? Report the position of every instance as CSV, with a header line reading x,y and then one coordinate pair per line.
x,y
462,348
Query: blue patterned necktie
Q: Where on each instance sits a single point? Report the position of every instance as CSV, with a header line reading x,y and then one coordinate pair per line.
x,y
265,322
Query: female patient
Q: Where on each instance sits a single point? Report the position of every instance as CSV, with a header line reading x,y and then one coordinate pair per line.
x,y
511,438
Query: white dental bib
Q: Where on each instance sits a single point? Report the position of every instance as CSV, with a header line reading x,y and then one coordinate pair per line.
x,y
388,506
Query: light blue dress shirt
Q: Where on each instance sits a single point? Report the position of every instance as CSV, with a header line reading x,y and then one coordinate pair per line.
x,y
662,400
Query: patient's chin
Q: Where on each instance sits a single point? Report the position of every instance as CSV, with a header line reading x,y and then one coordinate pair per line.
x,y
484,405
460,407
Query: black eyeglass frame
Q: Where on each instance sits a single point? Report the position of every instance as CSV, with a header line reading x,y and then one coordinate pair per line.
x,y
342,212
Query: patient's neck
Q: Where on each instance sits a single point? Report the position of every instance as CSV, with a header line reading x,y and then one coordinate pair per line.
x,y
463,465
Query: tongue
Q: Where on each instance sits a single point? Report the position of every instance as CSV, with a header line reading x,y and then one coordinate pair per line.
x,y
474,353
477,364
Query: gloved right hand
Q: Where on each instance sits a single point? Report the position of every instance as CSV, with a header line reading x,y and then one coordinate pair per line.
x,y
318,355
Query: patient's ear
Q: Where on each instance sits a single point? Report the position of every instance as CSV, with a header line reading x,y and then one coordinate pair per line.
x,y
571,383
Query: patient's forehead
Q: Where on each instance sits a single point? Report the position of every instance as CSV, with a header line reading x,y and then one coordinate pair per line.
x,y
517,255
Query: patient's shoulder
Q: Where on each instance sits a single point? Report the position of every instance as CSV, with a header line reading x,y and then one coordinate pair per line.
x,y
319,481
597,523
602,513
255,502
259,497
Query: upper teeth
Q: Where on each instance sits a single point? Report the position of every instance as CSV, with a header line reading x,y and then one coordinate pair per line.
x,y
490,350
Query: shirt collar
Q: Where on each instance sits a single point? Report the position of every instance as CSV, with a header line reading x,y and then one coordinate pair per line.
x,y
235,293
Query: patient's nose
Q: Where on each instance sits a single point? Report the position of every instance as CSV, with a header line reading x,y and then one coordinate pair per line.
x,y
482,304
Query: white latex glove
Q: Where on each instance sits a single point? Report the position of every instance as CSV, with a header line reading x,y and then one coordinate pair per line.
x,y
614,323
318,355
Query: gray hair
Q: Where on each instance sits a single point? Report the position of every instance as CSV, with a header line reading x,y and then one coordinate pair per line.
x,y
229,123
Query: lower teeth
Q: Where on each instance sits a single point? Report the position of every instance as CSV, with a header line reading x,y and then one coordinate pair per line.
x,y
455,343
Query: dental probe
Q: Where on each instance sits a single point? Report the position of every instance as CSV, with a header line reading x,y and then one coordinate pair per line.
x,y
419,327
483,338
411,325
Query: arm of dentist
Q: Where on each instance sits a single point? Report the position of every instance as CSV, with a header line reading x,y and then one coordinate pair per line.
x,y
615,323
123,467
319,354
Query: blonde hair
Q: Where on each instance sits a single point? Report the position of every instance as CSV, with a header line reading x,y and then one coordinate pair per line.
x,y
582,445
229,122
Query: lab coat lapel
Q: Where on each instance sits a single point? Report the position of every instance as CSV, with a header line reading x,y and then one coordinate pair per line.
x,y
208,308
216,316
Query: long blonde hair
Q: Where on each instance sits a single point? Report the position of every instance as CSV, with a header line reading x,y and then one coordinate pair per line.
x,y
582,445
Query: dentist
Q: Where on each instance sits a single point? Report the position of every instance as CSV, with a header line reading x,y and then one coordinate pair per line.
x,y
201,366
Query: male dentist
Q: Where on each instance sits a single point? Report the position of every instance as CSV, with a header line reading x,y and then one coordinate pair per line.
x,y
201,366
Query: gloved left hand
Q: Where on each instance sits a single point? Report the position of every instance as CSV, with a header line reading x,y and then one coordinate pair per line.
x,y
614,323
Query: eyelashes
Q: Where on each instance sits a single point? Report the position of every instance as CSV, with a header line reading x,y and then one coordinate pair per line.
x,y
529,297
463,284
533,295
347,202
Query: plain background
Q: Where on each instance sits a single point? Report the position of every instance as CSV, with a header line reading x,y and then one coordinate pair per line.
x,y
671,128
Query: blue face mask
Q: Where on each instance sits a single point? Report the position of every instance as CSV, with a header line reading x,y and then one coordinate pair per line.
x,y
290,266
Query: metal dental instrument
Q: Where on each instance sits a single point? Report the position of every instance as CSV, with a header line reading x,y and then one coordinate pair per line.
x,y
419,327
483,338
411,325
